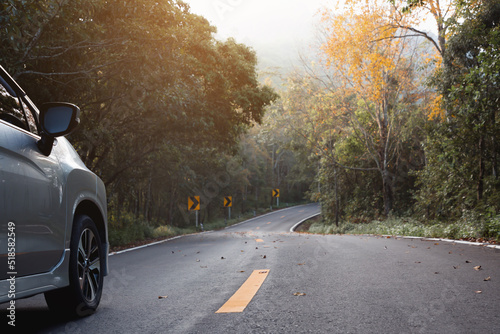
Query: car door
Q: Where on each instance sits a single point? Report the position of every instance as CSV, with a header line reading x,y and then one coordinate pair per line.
x,y
31,191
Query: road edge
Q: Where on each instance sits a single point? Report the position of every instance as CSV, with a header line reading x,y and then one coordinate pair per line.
x,y
463,242
294,227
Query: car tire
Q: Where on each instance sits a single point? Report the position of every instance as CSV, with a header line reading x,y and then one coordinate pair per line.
x,y
86,268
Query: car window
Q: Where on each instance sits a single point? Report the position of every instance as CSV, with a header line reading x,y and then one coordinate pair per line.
x,y
13,110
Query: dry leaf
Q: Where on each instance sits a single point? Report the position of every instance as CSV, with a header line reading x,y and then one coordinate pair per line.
x,y
477,268
299,294
479,291
162,297
203,266
437,243
418,262
467,261
264,257
487,278
222,258
301,264
197,260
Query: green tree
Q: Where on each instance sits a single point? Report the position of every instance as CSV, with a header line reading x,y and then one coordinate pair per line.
x,y
156,90
462,169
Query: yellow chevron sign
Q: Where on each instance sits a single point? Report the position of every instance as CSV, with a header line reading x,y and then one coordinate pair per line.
x,y
194,203
228,201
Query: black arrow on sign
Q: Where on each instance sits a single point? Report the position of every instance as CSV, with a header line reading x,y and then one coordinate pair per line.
x,y
195,203
276,192
227,201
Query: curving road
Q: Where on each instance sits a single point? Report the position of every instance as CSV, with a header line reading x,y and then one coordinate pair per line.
x,y
314,284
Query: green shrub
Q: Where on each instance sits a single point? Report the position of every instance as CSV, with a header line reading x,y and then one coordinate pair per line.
x,y
128,229
492,228
470,226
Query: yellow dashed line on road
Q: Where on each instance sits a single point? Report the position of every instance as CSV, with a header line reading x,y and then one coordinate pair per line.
x,y
242,297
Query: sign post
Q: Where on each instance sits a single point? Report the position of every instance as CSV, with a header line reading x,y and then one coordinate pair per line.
x,y
276,193
228,203
194,205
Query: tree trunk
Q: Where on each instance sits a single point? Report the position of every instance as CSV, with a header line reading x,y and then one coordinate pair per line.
x,y
336,198
147,204
387,192
480,180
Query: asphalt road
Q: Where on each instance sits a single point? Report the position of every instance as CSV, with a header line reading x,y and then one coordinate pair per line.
x,y
315,284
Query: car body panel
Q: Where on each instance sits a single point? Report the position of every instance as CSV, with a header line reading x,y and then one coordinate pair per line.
x,y
41,195
31,196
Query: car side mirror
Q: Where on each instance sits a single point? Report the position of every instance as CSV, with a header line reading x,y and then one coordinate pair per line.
x,y
56,119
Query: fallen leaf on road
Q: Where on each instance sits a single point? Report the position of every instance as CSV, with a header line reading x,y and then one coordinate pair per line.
x,y
162,297
197,260
477,268
264,257
479,291
456,267
299,294
487,278
242,271
222,258
436,243
301,264
203,266
467,261
418,262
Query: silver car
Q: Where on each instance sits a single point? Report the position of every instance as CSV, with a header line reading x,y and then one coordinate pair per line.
x,y
53,215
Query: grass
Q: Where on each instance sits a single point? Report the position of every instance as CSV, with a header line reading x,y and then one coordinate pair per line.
x,y
464,229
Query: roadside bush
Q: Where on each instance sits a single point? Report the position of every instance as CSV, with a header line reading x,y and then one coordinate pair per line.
x,y
492,228
470,226
128,229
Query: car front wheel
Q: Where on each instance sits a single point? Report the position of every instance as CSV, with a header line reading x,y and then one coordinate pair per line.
x,y
83,295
